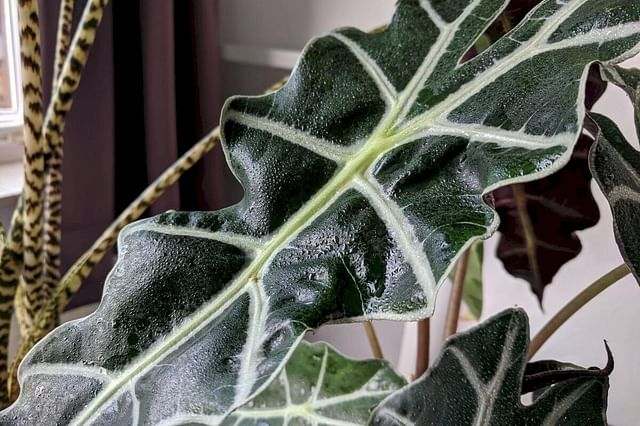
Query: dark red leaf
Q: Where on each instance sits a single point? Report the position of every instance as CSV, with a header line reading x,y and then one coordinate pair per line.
x,y
558,206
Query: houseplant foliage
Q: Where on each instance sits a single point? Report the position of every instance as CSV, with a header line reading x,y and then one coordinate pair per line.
x,y
319,385
616,166
478,379
362,188
539,220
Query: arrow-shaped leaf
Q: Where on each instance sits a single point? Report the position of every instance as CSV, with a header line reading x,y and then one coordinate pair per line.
x,y
322,387
539,220
478,381
364,180
615,164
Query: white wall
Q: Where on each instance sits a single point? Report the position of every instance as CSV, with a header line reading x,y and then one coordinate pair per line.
x,y
286,24
289,24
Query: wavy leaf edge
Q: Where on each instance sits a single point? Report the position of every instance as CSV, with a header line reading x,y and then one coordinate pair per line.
x,y
247,282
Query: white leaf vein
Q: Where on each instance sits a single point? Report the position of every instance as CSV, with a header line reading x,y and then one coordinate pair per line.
x,y
387,91
292,135
402,233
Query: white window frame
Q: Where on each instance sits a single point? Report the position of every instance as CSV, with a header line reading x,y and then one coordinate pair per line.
x,y
13,117
11,120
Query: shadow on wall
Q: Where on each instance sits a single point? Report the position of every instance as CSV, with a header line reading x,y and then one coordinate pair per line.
x,y
5,214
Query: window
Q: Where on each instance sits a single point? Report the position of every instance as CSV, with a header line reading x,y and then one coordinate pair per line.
x,y
10,90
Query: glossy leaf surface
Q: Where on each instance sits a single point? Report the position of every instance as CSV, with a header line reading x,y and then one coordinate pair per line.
x,y
555,207
364,180
478,381
319,386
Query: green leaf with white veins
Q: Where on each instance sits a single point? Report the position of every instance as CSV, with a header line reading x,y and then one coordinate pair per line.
x,y
364,180
319,386
478,380
615,165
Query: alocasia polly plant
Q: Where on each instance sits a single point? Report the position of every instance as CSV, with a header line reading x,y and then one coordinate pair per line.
x,y
364,179
478,380
559,205
616,166
317,385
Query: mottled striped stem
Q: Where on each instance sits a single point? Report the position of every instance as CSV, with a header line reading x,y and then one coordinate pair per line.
x,y
61,103
34,152
63,38
80,270
71,281
53,166
65,86
10,272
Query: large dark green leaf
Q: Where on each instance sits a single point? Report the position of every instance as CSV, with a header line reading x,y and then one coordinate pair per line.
x,y
615,164
478,381
364,180
538,233
318,386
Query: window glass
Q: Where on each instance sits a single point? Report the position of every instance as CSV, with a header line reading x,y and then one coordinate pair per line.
x,y
10,90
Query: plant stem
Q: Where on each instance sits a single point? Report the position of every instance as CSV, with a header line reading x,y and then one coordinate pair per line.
x,y
63,38
52,131
52,233
506,22
455,300
10,271
422,356
574,305
373,340
34,157
520,199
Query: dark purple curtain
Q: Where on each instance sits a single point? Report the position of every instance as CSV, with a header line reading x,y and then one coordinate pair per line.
x,y
149,92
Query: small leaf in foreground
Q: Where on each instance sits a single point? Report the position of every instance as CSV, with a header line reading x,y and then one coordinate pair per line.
x,y
478,380
319,386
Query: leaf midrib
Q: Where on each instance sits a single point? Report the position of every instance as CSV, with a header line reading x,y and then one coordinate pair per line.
x,y
386,137
355,167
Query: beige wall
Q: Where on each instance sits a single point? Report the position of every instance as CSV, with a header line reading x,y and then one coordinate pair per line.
x,y
290,23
